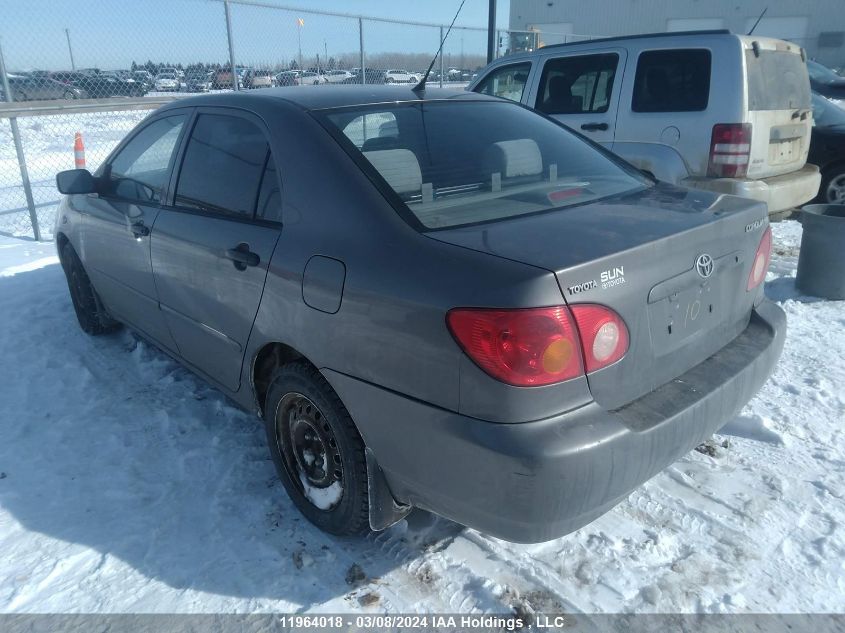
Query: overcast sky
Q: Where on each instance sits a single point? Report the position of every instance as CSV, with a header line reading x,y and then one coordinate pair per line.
x,y
111,34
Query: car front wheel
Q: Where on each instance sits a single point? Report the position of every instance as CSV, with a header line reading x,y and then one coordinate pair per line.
x,y
317,450
92,316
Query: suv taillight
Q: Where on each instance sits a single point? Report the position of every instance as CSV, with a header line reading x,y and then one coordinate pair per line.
x,y
761,260
730,147
539,346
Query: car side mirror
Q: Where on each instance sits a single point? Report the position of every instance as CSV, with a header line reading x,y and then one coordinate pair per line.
x,y
76,181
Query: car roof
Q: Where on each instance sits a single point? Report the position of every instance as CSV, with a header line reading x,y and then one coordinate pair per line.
x,y
338,96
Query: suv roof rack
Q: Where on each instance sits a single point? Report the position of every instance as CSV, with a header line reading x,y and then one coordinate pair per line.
x,y
640,36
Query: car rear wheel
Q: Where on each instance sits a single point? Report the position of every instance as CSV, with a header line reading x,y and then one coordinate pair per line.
x,y
92,316
832,189
70,94
317,450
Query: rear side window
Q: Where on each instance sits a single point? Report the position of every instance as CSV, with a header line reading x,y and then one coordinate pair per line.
x,y
223,166
507,82
672,81
790,88
575,85
140,169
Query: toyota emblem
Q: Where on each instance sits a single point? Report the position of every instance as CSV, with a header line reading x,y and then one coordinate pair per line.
x,y
704,265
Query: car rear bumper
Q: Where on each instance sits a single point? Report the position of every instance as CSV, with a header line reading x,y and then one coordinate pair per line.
x,y
783,192
535,481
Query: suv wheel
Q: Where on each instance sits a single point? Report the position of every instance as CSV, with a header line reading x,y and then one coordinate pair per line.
x,y
92,316
317,450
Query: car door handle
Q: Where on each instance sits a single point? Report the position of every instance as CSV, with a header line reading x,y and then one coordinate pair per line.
x,y
592,127
242,257
139,229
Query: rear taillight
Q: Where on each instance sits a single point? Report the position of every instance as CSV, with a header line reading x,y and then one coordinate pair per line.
x,y
761,260
603,335
730,147
539,346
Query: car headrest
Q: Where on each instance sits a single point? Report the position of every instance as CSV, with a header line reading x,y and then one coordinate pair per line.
x,y
399,167
520,157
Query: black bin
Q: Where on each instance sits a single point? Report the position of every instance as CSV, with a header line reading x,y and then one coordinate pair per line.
x,y
821,264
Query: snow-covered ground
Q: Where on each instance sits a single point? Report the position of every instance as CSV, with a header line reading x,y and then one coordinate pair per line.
x,y
127,484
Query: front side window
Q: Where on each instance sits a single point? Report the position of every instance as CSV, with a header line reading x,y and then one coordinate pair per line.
x,y
453,163
507,82
140,169
672,81
223,166
577,85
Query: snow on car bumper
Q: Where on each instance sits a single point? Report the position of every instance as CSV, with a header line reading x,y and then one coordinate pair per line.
x,y
787,191
535,481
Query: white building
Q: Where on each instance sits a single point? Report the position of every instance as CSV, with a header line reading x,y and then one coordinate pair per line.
x,y
817,25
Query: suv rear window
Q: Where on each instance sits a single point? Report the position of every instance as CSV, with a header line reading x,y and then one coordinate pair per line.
x,y
777,80
672,81
449,164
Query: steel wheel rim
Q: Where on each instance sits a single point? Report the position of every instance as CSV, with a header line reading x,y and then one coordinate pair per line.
x,y
836,189
308,447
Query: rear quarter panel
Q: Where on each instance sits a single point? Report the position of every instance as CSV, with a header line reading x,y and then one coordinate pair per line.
x,y
390,329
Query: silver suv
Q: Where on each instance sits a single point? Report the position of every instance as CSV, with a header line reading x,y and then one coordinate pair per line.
x,y
704,109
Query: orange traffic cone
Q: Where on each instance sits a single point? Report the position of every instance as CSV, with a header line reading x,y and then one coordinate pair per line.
x,y
78,151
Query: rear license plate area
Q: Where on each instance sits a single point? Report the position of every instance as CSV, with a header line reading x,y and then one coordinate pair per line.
x,y
785,151
684,315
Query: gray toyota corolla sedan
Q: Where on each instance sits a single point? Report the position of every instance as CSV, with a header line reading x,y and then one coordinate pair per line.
x,y
438,300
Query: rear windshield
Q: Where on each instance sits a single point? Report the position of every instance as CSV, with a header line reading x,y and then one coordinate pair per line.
x,y
777,80
457,163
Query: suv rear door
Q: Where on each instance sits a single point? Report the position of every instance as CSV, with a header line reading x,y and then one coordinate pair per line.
x,y
581,90
211,248
779,107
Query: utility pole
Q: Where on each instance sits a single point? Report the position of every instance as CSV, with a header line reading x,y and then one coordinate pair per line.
x,y
491,31
299,24
70,50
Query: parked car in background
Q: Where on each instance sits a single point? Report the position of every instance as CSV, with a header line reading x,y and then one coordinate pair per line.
x,y
35,88
399,76
258,79
480,314
167,82
371,76
145,78
197,81
337,76
827,148
708,109
222,79
129,86
97,85
825,81
288,78
310,78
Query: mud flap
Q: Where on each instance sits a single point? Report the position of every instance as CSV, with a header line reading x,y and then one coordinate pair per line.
x,y
384,509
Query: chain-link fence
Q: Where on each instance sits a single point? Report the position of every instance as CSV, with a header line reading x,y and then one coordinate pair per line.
x,y
70,68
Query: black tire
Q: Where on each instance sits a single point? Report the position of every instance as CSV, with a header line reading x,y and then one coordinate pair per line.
x,y
20,96
92,316
285,415
70,94
832,178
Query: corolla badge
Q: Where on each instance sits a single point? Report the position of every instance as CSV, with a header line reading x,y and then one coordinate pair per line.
x,y
704,265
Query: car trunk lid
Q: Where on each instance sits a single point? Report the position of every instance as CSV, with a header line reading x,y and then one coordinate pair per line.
x,y
637,255
778,94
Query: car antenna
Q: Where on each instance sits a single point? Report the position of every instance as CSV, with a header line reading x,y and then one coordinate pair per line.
x,y
758,20
420,87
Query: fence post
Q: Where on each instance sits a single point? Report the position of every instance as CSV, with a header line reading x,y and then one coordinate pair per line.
x,y
16,137
361,46
440,48
231,45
